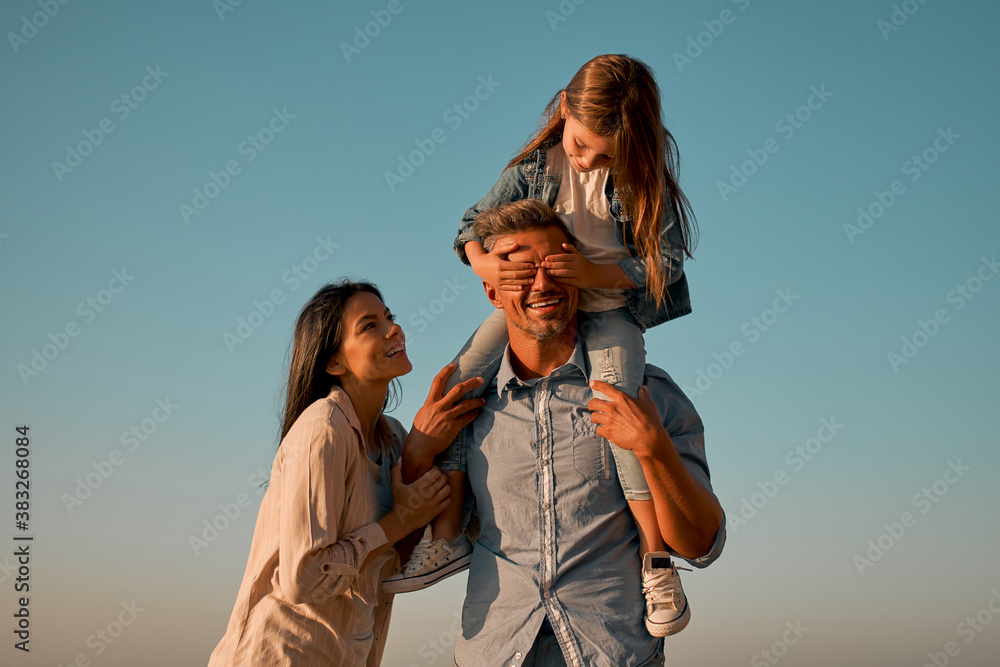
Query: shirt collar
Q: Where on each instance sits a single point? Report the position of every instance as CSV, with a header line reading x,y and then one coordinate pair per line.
x,y
507,378
343,401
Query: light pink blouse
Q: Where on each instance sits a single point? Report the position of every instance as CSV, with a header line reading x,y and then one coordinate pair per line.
x,y
306,599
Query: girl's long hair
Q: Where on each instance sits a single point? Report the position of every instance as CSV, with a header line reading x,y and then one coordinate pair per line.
x,y
616,96
319,332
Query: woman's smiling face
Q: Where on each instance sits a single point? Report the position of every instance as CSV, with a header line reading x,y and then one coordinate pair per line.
x,y
373,347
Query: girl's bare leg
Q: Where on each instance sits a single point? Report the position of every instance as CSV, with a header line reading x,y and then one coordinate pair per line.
x,y
448,524
644,514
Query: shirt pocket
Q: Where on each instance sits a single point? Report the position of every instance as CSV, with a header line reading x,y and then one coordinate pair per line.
x,y
364,623
590,451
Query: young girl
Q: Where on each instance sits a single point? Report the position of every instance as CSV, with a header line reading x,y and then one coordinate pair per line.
x,y
324,535
606,163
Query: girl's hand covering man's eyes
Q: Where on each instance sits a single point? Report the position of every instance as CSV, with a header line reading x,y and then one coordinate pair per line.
x,y
495,269
571,268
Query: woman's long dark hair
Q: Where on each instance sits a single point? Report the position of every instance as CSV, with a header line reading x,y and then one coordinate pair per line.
x,y
319,332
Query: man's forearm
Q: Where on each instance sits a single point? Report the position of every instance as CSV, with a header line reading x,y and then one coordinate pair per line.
x,y
689,514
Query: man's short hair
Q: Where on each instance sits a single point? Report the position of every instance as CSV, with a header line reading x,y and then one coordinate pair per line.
x,y
516,216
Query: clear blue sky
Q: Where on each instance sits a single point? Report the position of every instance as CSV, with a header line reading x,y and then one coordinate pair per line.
x,y
130,286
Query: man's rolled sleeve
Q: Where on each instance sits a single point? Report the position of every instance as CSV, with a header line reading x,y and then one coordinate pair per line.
x,y
687,432
714,552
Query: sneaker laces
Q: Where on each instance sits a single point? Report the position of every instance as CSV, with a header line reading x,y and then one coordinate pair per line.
x,y
665,587
424,552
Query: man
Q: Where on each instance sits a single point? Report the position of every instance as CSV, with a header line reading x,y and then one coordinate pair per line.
x,y
555,575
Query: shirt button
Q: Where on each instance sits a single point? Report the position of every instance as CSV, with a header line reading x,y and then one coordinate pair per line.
x,y
517,656
545,506
546,595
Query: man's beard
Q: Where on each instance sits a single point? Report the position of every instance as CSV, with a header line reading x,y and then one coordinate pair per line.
x,y
542,333
547,329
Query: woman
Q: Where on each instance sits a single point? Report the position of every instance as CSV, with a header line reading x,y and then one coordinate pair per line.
x,y
336,504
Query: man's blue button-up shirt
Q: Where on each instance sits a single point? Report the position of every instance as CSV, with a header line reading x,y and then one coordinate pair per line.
x,y
557,539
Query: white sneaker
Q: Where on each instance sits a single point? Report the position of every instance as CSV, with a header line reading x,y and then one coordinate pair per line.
x,y
667,610
430,563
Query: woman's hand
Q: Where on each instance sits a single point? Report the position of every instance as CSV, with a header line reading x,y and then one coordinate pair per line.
x,y
440,419
630,423
414,505
494,268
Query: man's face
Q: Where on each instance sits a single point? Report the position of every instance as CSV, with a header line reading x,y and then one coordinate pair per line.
x,y
546,307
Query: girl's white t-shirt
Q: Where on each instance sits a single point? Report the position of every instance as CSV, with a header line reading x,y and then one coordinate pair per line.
x,y
583,206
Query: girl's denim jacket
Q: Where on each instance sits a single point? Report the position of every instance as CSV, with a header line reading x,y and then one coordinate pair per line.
x,y
529,180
